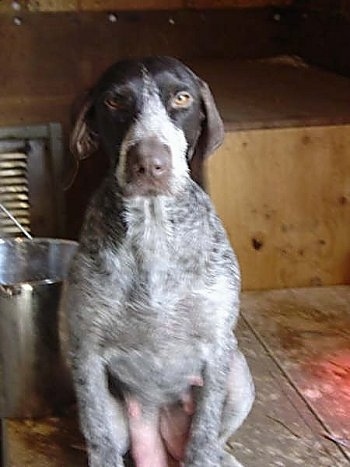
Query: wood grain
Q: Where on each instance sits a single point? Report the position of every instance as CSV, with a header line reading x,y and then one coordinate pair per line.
x,y
284,197
281,91
306,331
115,5
51,6
236,3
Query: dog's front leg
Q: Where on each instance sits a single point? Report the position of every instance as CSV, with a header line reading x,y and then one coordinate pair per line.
x,y
204,448
102,417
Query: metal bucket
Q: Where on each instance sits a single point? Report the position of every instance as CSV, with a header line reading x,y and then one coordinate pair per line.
x,y
33,381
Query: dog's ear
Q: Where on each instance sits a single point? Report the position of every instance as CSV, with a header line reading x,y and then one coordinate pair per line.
x,y
83,140
211,135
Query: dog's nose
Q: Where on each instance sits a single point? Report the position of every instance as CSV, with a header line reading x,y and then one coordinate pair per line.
x,y
148,158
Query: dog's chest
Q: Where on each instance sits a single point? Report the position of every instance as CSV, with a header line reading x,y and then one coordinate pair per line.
x,y
155,286
149,235
150,244
161,327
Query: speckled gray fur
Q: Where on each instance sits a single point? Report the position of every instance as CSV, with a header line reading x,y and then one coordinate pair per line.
x,y
151,299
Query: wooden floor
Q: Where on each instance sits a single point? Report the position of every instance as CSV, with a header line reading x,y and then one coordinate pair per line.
x,y
297,342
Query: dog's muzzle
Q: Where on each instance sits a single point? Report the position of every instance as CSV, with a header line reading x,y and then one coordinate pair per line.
x,y
147,167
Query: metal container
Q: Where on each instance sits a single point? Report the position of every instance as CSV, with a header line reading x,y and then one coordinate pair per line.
x,y
33,380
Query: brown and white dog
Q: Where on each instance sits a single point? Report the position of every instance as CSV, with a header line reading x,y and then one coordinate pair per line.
x,y
153,291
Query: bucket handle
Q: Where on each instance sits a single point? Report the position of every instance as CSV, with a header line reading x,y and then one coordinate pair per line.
x,y
15,221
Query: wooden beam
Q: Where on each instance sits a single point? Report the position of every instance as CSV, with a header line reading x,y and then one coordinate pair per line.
x,y
51,6
115,5
236,3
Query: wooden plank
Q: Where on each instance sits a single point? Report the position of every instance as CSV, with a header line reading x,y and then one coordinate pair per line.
x,y
57,6
115,5
321,33
274,93
30,66
51,6
341,6
19,110
236,3
38,6
51,442
280,431
250,94
307,332
284,197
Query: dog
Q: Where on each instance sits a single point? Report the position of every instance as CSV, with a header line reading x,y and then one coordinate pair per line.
x,y
152,295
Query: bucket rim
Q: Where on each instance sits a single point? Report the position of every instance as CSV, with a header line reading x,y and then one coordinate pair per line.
x,y
47,240
26,284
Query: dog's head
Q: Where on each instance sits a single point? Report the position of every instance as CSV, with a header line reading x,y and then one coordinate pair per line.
x,y
154,117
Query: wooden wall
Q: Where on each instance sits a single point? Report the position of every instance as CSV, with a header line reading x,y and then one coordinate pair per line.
x,y
50,59
8,6
319,32
284,195
334,7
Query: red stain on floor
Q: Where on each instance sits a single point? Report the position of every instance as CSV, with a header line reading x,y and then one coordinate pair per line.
x,y
326,382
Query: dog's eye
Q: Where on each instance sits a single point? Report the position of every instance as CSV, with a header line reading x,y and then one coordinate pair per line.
x,y
115,103
182,100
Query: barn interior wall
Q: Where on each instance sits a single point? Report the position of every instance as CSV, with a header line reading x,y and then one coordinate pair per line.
x,y
320,32
51,58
